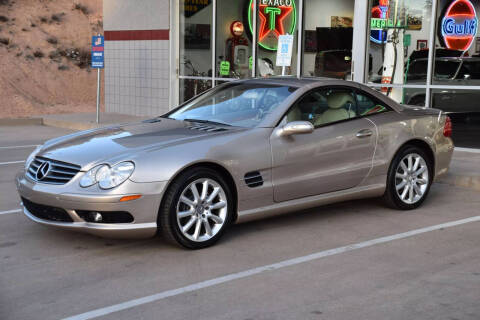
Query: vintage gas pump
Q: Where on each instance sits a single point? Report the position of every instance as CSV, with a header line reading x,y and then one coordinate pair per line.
x,y
393,60
236,51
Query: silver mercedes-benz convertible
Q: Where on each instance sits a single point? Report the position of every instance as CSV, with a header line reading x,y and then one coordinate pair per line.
x,y
242,150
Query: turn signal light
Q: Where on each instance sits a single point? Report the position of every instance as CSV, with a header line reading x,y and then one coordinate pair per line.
x,y
130,198
447,129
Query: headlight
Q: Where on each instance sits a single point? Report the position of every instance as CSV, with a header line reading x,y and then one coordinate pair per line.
x,y
107,177
89,178
31,157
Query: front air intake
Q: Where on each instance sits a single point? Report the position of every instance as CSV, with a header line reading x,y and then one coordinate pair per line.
x,y
253,179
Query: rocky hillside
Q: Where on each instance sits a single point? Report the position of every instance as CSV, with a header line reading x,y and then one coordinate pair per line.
x,y
44,56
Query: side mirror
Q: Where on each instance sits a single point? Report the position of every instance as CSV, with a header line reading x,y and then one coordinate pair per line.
x,y
466,77
296,127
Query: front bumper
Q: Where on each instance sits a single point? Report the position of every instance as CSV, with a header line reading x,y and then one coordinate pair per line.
x,y
71,198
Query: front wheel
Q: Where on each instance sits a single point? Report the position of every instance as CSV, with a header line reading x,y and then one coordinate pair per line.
x,y
409,179
197,208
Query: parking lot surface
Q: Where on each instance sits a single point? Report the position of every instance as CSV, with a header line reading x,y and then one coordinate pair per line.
x,y
435,274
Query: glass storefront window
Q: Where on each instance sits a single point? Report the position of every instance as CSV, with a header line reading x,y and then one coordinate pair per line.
x,y
457,63
195,47
274,18
456,43
466,119
327,38
233,45
398,44
414,96
189,88
195,38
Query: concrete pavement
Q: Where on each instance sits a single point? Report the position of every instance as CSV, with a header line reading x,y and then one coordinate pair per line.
x,y
51,274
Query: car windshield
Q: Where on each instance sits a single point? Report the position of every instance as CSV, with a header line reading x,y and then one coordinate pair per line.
x,y
236,104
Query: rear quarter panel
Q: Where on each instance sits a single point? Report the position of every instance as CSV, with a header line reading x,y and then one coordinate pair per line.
x,y
395,129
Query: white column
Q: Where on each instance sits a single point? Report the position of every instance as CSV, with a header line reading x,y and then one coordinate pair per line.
x,y
361,31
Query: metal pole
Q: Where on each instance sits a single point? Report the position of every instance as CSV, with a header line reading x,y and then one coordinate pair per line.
x,y
98,95
98,92
254,39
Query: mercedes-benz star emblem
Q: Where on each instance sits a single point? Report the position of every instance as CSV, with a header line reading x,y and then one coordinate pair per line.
x,y
43,170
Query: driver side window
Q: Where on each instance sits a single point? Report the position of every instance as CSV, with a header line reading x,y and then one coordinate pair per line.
x,y
324,106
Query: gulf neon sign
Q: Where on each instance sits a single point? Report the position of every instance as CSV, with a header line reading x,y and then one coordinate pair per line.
x,y
276,17
459,25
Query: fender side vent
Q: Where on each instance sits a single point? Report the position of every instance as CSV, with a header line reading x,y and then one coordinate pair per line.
x,y
253,179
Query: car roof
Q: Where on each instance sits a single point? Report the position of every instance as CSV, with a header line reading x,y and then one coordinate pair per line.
x,y
290,80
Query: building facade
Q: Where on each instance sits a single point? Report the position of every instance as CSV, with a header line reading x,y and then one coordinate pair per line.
x,y
160,53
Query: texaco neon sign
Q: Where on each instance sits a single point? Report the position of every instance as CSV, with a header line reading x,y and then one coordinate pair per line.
x,y
276,17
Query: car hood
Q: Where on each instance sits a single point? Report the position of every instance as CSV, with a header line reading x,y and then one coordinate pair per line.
x,y
126,142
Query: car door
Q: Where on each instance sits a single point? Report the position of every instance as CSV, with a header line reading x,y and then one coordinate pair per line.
x,y
336,156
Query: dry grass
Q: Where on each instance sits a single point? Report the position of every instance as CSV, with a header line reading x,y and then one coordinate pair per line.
x,y
57,17
38,54
83,8
52,40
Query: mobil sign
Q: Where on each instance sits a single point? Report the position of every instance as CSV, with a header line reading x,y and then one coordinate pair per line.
x,y
459,25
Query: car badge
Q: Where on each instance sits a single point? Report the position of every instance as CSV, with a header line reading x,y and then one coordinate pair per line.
x,y
43,170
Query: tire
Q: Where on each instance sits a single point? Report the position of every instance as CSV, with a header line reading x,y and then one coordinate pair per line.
x,y
192,219
408,183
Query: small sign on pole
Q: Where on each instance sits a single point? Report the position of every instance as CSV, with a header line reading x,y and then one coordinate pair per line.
x,y
98,62
284,51
98,50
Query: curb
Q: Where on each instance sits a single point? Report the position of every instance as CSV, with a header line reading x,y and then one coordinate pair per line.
x,y
20,121
72,125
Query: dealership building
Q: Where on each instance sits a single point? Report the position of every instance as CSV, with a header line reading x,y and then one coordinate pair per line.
x,y
160,53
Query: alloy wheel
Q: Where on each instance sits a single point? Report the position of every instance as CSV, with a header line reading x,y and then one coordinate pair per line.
x,y
202,210
411,178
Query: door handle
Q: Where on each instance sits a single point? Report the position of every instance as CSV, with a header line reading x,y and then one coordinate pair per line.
x,y
364,133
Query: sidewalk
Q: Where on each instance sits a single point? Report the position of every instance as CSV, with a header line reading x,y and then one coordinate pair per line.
x,y
85,121
464,170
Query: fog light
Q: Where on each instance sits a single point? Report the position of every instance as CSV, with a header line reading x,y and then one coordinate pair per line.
x,y
96,217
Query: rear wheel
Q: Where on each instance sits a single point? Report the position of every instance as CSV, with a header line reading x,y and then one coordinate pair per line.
x,y
409,179
196,210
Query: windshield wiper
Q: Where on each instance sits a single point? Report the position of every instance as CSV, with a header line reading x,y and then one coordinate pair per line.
x,y
208,121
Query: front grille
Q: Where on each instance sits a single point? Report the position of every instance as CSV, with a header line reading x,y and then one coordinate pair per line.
x,y
46,212
58,172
